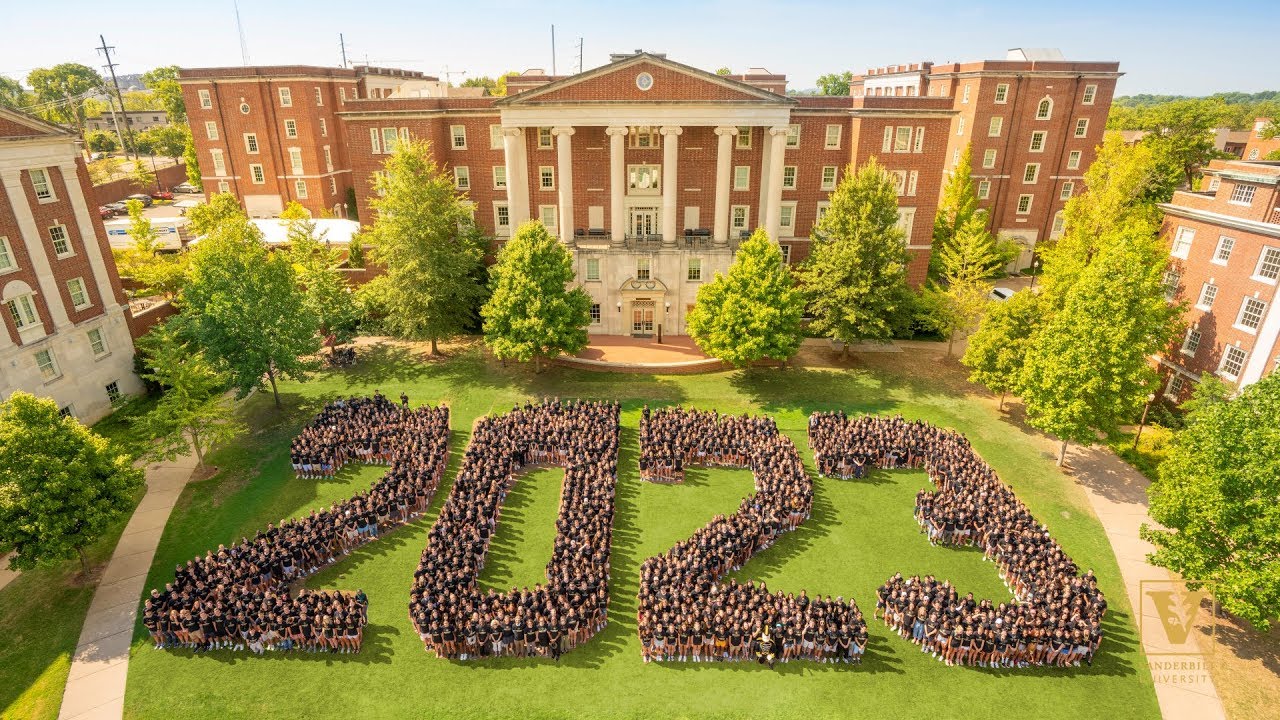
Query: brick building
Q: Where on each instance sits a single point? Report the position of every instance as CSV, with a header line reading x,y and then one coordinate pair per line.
x,y
66,331
1034,121
650,170
135,120
1256,148
1225,261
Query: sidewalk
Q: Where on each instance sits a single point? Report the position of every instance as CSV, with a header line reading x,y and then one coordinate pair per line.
x,y
6,575
95,684
1118,495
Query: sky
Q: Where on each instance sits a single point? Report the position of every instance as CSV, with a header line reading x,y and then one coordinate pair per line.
x,y
1169,47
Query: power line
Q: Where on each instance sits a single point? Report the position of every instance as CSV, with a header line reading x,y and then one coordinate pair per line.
x,y
111,66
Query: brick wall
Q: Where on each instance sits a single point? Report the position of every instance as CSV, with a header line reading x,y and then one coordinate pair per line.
x,y
118,190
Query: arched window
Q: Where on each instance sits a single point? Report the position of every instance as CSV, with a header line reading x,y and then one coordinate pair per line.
x,y
1045,110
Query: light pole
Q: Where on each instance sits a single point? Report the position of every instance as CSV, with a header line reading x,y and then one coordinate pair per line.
x,y
1142,423
1035,269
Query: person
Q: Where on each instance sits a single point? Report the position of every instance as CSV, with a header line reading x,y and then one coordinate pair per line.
x,y
764,648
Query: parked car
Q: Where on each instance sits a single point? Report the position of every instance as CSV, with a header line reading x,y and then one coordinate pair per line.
x,y
105,212
117,207
144,199
162,195
1001,294
186,188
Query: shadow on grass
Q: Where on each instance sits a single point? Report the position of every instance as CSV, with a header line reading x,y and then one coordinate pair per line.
x,y
375,651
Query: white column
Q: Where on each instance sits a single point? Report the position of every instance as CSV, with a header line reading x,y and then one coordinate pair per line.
x,y
724,169
617,182
564,157
91,248
34,238
765,156
670,158
517,176
773,202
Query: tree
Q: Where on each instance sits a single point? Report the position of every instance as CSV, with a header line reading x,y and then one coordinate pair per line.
x,y
1271,130
754,311
194,413
66,84
424,237
1273,155
855,277
955,309
101,141
163,83
1089,365
996,352
104,170
205,218
1182,131
12,94
958,205
328,295
496,87
168,140
835,83
973,254
724,71
1216,495
143,176
533,313
191,160
155,271
243,308
62,486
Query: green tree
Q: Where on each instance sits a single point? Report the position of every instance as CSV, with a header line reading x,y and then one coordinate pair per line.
x,y
101,141
243,308
206,217
1089,365
856,275
1271,130
328,295
956,208
61,485
533,313
1273,155
192,161
104,170
997,351
723,71
497,87
835,83
156,271
143,176
194,412
167,140
753,312
163,83
12,94
66,84
955,309
973,254
424,237
1216,500
1181,131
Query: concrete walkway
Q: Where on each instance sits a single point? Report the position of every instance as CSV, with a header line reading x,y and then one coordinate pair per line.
x,y
95,685
1118,495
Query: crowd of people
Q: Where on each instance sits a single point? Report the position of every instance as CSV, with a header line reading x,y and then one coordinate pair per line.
x,y
686,611
454,618
1056,615
239,597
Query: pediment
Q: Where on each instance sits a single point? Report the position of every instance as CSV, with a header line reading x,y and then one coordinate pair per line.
x,y
14,123
670,82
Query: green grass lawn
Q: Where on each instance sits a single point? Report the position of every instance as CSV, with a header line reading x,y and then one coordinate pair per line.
x,y
861,532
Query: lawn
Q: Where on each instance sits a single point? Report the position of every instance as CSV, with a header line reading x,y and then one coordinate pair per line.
x,y
861,532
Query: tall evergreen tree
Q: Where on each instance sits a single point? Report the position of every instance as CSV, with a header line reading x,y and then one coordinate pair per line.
x,y
956,209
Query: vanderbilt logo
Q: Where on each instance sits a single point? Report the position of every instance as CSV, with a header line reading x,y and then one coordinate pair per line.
x,y
1176,611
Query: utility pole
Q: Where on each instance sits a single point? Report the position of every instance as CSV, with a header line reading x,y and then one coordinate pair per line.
x,y
553,50
342,43
579,54
244,44
111,67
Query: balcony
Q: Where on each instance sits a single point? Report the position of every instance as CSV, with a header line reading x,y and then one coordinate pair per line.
x,y
650,242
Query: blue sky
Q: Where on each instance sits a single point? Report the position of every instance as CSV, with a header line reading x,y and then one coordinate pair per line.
x,y
1174,46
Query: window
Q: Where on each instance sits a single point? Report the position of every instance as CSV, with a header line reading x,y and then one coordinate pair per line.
x,y
286,97
219,165
1059,226
547,214
786,253
328,159
1090,92
374,141
642,268
547,177
40,184
789,177
641,136
206,101
333,185
906,222
823,207
61,244
6,256
595,313
833,137
211,129
644,179
1208,293
67,411
1242,195
251,143
1044,110
787,218
919,146
97,343
113,391
545,139
593,268
499,177
1082,127
960,126
743,140
495,137
899,181
295,161
501,216
793,136
984,189
1223,252
695,269
1232,362
1024,204
955,158
829,177
23,311
912,179
1214,182
1251,312
902,139
989,158
1002,94
319,98
1037,141
964,94
1268,265
291,128
888,139
459,135
224,186
1073,160
1068,188
1191,343
256,174
462,178
1173,390
739,217
342,94
994,127
48,365
300,189
742,177
1172,281
1031,173
391,138
1182,242
79,298
1253,154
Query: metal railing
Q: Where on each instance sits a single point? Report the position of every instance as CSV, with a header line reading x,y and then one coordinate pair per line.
x,y
643,242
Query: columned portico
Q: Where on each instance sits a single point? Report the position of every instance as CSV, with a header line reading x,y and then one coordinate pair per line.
x,y
670,161
771,207
39,258
617,182
91,248
517,175
724,168
564,158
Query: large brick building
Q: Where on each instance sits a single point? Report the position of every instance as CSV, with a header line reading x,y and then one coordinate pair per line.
x,y
650,170
1224,244
1258,148
66,332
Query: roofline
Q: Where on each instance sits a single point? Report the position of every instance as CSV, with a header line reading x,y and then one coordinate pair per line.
x,y
1230,221
35,123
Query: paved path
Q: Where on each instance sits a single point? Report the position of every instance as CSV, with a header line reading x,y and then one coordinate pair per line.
x,y
95,685
1118,494
6,575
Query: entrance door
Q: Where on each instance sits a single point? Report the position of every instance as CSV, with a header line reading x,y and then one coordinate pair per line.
x,y
644,221
642,317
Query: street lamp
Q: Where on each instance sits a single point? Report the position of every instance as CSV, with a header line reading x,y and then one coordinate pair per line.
x,y
1142,423
1035,269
